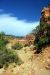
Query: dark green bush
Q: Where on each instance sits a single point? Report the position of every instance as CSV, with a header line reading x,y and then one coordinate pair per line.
x,y
42,42
42,36
17,46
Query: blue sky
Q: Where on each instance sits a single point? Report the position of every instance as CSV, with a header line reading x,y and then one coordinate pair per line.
x,y
19,17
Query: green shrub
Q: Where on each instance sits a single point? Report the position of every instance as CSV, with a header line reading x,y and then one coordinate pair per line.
x,y
2,43
17,46
41,43
8,56
42,35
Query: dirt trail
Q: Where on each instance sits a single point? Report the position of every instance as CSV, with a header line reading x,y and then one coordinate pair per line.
x,y
33,64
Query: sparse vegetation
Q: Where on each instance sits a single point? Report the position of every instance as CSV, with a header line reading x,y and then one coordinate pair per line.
x,y
7,56
17,46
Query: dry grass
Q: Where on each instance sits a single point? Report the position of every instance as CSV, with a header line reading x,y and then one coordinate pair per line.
x,y
32,64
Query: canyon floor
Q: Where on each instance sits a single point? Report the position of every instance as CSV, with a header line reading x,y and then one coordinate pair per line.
x,y
33,64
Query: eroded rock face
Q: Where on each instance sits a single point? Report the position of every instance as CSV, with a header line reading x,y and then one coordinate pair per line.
x,y
45,14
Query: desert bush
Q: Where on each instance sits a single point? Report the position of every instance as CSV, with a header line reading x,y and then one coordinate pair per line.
x,y
41,43
3,43
8,56
17,46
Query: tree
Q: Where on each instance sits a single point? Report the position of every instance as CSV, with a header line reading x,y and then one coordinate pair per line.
x,y
42,37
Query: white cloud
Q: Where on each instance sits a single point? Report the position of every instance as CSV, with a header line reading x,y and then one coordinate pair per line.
x,y
12,25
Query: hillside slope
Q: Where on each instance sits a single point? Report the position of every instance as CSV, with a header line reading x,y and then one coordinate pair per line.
x,y
33,64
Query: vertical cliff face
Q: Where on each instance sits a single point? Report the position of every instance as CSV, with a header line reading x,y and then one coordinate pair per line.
x,y
45,14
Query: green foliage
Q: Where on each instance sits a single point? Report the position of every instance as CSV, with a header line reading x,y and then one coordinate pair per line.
x,y
7,56
2,35
42,42
17,46
42,35
2,43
